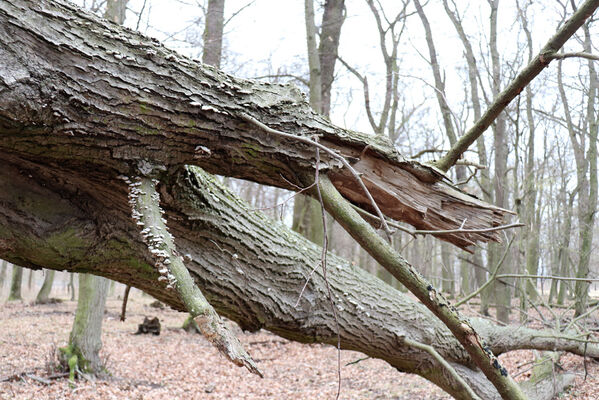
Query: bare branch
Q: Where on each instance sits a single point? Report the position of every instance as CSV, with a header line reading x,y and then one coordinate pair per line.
x,y
525,76
145,210
562,56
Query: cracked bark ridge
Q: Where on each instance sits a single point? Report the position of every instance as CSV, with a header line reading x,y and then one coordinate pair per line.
x,y
80,91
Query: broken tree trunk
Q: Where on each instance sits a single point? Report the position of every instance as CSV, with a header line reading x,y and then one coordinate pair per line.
x,y
77,90
83,101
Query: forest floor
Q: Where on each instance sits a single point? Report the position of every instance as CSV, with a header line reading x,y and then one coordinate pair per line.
x,y
178,365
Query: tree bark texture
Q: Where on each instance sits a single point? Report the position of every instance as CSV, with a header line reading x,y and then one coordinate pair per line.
x,y
84,101
86,336
250,269
80,92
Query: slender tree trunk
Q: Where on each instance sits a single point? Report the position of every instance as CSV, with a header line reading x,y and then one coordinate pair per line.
x,y
332,21
447,273
44,294
30,280
71,286
530,190
501,289
587,198
564,250
3,268
16,283
116,11
213,33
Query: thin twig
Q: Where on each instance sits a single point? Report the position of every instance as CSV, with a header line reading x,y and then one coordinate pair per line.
x,y
306,283
491,278
560,278
525,76
356,361
562,56
38,379
283,202
470,164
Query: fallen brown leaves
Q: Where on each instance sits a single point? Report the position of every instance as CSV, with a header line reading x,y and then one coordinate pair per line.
x,y
178,365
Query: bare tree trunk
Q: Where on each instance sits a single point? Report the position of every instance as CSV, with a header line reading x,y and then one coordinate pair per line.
x,y
85,341
530,190
3,268
501,289
16,283
332,21
564,248
587,195
44,294
447,271
71,286
213,33
116,11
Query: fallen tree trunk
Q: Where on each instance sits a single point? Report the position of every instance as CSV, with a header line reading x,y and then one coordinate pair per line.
x,y
78,90
84,102
250,269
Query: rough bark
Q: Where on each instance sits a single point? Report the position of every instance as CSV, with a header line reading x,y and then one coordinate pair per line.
x,y
68,132
101,96
83,352
250,269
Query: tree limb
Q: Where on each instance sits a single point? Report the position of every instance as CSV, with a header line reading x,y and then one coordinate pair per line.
x,y
363,233
147,214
